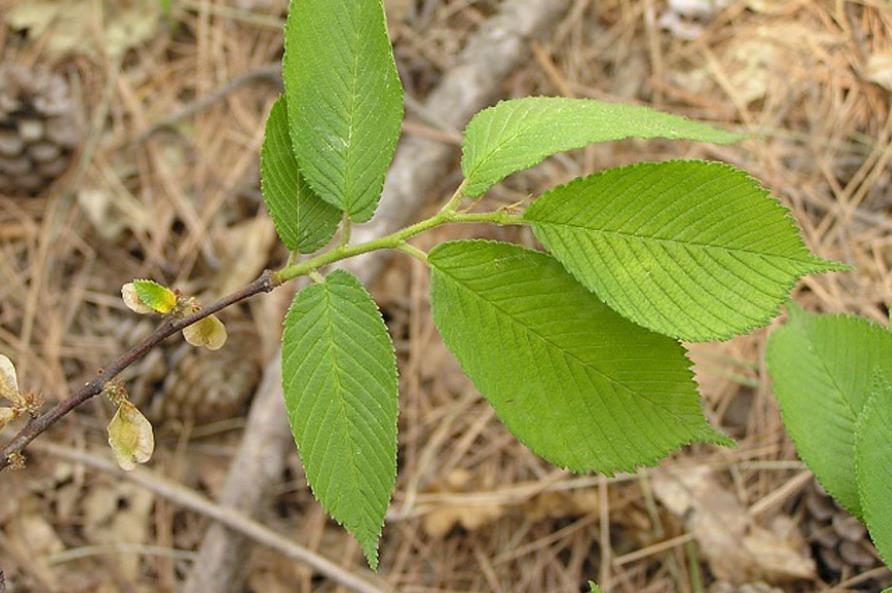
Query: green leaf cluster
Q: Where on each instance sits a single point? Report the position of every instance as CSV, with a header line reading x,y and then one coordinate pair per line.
x,y
831,377
576,347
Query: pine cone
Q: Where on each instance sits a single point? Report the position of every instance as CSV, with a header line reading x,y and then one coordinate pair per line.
x,y
39,129
179,383
839,540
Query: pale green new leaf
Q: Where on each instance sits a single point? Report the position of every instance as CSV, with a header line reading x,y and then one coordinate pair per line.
x,y
340,382
303,220
345,100
821,367
593,587
155,296
690,249
517,134
572,379
873,463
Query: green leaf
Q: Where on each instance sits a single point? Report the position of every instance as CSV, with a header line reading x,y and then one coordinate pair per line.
x,y
593,587
155,296
690,249
873,463
304,221
340,382
573,380
821,366
517,134
345,100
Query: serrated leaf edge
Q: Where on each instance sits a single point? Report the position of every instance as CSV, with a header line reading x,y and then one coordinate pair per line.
x,y
138,281
472,191
867,516
816,264
302,245
371,555
796,315
707,435
389,142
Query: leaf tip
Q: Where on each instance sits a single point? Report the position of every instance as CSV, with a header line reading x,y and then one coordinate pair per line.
x,y
369,547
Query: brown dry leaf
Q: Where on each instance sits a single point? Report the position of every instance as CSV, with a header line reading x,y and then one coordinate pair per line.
x,y
441,520
113,214
736,548
33,537
879,70
438,522
75,25
119,514
559,505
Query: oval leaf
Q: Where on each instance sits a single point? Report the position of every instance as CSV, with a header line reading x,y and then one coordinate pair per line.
x,y
132,300
573,380
345,100
149,293
822,386
130,436
209,333
873,463
517,134
7,415
304,221
9,384
694,250
340,383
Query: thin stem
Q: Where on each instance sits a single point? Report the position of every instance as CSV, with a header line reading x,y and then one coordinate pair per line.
x,y
500,218
454,202
346,228
265,283
413,251
394,240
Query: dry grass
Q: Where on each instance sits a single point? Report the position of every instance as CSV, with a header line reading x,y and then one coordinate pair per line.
x,y
473,510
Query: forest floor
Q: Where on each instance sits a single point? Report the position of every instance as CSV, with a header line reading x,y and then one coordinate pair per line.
x,y
158,192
